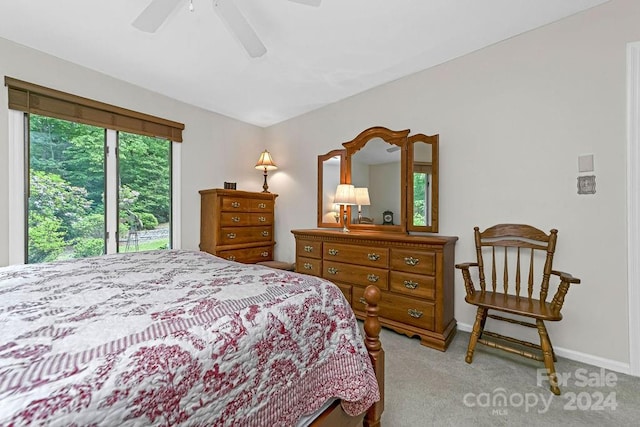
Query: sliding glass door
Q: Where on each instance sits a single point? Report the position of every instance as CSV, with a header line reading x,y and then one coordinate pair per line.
x,y
71,187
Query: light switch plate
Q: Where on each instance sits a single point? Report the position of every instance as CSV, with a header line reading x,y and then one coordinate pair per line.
x,y
585,163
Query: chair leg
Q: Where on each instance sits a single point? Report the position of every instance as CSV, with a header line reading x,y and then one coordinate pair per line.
x,y
553,352
478,327
547,353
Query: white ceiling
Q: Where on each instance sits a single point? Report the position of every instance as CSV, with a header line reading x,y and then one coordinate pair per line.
x,y
315,55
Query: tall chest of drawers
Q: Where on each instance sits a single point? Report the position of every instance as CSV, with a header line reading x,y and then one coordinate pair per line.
x,y
237,225
414,273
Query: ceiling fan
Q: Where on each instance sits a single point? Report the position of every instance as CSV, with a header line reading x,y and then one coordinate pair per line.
x,y
159,10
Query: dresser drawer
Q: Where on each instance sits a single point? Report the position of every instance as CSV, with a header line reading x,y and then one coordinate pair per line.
x,y
233,219
399,308
412,261
308,248
355,274
353,254
311,266
414,285
241,204
237,235
248,255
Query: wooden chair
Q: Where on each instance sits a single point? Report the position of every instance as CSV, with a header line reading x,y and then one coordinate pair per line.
x,y
510,249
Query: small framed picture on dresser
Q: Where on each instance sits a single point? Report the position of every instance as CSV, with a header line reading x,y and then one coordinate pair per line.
x,y
229,185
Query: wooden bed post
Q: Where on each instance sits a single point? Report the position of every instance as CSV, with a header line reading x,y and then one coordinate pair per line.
x,y
376,353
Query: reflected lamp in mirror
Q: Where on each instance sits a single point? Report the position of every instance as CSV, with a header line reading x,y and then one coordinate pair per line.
x,y
345,196
362,199
336,212
265,162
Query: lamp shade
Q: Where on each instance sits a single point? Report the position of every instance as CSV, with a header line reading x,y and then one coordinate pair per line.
x,y
266,162
345,195
362,196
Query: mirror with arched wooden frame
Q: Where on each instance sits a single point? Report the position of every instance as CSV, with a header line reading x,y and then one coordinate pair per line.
x,y
331,172
400,172
377,159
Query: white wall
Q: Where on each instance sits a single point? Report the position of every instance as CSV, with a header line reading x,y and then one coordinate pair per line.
x,y
512,119
384,191
214,150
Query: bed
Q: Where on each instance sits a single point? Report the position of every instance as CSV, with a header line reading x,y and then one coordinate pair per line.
x,y
182,338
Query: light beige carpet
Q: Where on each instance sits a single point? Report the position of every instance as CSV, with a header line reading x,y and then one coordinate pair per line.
x,y
426,387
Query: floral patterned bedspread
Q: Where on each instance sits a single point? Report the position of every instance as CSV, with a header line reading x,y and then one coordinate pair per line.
x,y
174,337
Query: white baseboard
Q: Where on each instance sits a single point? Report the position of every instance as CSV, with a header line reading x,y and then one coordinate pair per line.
x,y
612,365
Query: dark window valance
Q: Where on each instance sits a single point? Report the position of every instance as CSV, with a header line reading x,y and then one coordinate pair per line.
x,y
31,98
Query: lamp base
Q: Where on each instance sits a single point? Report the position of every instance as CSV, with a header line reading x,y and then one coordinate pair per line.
x,y
344,222
265,187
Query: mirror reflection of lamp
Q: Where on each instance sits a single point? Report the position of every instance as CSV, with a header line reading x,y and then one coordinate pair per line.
x,y
345,196
336,212
362,199
265,162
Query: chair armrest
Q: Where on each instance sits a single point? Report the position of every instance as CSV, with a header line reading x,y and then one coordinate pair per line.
x,y
466,275
466,265
565,277
565,280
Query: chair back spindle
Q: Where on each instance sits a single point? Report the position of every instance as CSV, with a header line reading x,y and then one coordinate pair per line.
x,y
505,274
518,273
530,281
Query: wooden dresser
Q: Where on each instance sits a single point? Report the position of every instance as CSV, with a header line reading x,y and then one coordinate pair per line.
x,y
414,273
237,225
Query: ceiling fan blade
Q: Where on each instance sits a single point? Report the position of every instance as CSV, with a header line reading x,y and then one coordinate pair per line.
x,y
239,26
154,15
314,3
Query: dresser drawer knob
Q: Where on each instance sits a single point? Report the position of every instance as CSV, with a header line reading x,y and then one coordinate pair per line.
x,y
235,218
231,258
262,205
264,254
332,270
373,257
333,252
372,278
231,235
308,266
308,248
415,313
262,219
265,233
410,284
411,260
362,300
235,204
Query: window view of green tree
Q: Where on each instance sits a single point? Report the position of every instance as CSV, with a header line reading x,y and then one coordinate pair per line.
x,y
66,211
419,199
144,167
